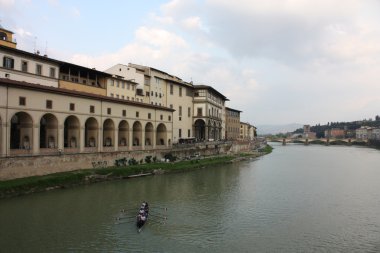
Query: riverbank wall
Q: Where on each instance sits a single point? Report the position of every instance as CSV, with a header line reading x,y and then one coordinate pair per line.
x,y
28,166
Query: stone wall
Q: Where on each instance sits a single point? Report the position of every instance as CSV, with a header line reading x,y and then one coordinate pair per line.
x,y
26,166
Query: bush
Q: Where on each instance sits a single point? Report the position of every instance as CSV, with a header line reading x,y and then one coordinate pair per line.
x,y
155,159
148,159
132,161
170,157
121,162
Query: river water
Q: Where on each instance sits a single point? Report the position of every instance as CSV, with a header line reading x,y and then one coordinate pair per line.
x,y
296,199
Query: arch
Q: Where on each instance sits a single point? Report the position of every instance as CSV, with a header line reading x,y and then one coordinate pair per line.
x,y
91,129
3,36
71,132
21,131
48,131
123,133
200,129
137,133
161,134
108,133
148,134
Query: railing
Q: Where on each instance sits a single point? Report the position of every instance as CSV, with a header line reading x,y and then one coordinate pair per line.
x,y
123,148
20,152
108,149
90,149
71,150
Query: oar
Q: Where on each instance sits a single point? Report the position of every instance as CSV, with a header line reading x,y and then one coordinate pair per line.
x,y
158,216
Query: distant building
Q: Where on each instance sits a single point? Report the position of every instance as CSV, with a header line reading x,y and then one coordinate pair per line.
x,y
335,133
375,134
307,133
363,132
232,124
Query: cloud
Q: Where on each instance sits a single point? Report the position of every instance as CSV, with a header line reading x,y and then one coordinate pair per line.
x,y
6,3
75,12
278,61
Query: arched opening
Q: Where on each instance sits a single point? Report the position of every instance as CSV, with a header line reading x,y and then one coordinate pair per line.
x,y
21,131
161,134
3,36
215,132
48,131
148,134
108,133
91,128
71,132
137,133
123,133
200,129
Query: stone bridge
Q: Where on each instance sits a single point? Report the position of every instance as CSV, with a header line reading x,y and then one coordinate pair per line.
x,y
326,141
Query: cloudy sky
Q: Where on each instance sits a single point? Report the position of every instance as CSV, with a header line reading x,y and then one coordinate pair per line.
x,y
279,61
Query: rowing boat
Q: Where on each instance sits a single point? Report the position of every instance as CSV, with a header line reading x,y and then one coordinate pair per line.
x,y
142,216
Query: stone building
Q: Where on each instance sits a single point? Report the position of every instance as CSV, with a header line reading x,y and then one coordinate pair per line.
x,y
232,124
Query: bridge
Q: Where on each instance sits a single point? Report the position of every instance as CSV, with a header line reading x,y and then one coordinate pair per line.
x,y
326,141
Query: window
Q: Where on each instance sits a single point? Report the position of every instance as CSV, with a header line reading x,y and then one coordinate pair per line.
x,y
38,69
52,73
117,95
171,89
122,96
111,82
147,93
117,83
92,109
137,114
128,86
123,85
188,111
169,118
151,93
180,133
188,133
49,104
180,91
171,106
156,94
72,107
199,111
109,111
180,111
22,100
161,117
8,62
24,66
149,115
124,112
111,95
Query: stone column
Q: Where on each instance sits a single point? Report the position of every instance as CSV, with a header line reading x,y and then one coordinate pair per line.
x,y
130,139
100,141
61,137
116,142
154,138
81,138
3,138
36,139
143,139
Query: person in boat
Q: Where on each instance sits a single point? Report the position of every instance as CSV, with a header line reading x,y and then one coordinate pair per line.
x,y
146,207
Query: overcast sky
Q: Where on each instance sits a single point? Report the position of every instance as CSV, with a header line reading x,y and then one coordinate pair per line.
x,y
279,61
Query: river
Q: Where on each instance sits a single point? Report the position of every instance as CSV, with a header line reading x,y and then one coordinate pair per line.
x,y
296,199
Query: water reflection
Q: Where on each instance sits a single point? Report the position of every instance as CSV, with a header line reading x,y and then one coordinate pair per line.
x,y
297,199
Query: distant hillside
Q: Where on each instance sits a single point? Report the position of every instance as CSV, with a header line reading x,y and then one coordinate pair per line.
x,y
275,129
